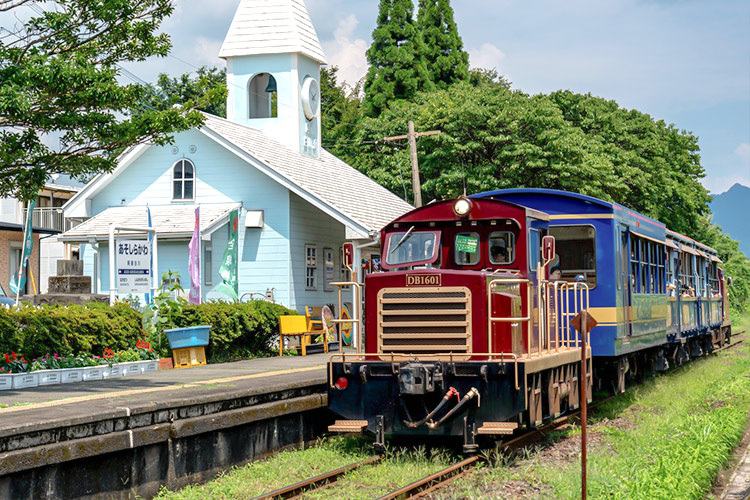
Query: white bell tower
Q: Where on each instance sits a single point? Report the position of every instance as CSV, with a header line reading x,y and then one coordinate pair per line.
x,y
273,72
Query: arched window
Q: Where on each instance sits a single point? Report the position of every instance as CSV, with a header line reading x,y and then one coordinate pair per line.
x,y
183,180
262,96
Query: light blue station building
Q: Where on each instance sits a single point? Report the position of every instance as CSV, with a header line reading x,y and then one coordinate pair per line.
x,y
297,203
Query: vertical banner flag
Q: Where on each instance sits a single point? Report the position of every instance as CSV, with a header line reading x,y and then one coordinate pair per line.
x,y
150,294
18,282
194,265
228,269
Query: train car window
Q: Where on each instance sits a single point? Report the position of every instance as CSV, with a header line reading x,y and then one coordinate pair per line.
x,y
653,269
466,249
411,248
502,245
634,267
576,246
644,266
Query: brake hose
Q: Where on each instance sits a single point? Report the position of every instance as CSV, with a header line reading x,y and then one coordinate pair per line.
x,y
473,392
451,392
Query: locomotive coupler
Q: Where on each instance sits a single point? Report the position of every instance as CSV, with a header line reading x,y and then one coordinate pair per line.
x,y
419,378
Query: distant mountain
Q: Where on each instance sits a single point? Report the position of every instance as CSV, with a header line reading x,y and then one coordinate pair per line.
x,y
731,210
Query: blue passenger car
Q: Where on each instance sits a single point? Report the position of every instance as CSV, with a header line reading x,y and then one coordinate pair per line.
x,y
653,291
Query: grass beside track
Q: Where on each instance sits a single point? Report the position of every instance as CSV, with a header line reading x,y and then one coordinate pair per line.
x,y
399,468
666,439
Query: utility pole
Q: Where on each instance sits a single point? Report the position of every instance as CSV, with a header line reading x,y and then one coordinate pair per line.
x,y
412,136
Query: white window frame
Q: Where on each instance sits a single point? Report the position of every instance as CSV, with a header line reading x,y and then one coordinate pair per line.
x,y
311,267
183,179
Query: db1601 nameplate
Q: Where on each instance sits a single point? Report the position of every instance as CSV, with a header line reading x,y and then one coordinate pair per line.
x,y
423,279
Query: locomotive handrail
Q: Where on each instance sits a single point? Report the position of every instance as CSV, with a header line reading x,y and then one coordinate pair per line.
x,y
361,356
563,312
522,319
357,299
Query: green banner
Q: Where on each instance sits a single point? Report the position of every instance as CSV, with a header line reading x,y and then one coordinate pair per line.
x,y
229,262
466,244
18,282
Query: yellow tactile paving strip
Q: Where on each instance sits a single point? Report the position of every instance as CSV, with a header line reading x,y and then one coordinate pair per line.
x,y
131,392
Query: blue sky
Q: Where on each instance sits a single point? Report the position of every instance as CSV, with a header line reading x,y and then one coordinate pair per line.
x,y
686,62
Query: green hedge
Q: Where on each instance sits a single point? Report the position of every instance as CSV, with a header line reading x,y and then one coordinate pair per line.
x,y
72,329
239,331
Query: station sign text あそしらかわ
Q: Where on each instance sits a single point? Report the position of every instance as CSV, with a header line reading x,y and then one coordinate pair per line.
x,y
133,266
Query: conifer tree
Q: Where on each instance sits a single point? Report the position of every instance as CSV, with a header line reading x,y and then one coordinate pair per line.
x,y
397,67
446,60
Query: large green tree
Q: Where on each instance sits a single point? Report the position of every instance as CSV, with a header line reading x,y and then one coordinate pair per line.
x,y
658,164
58,76
494,138
446,60
397,66
206,91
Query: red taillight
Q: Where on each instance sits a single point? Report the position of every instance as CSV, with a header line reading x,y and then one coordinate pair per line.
x,y
342,383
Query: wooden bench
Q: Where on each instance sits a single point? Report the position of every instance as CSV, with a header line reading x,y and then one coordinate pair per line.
x,y
296,326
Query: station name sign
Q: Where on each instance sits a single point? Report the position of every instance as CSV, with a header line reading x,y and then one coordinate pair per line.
x,y
423,279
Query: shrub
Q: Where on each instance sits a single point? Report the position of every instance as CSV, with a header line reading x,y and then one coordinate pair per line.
x,y
239,330
72,329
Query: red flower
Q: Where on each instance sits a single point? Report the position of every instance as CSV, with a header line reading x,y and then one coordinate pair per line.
x,y
7,358
142,344
108,354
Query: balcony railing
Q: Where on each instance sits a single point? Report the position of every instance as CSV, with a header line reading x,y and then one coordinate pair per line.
x,y
50,218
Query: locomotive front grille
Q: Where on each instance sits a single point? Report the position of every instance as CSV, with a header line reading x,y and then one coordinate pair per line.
x,y
424,320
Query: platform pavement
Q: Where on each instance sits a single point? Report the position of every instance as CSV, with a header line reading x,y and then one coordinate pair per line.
x,y
160,381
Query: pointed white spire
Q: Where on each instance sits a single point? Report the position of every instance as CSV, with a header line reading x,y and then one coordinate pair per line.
x,y
272,27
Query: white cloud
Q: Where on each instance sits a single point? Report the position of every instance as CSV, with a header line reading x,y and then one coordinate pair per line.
x,y
487,56
743,151
347,53
718,185
206,51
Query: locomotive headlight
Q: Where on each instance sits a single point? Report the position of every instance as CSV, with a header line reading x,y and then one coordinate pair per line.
x,y
462,206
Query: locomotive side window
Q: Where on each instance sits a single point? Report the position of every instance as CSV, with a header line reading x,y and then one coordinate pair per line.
x,y
502,247
576,246
535,242
411,248
466,249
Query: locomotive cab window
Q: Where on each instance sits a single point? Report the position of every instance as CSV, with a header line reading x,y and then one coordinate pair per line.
x,y
466,249
576,246
502,247
411,248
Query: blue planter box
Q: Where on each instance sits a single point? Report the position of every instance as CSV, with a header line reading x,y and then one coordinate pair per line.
x,y
189,336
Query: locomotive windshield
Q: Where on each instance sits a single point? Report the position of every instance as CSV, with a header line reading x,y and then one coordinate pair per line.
x,y
412,248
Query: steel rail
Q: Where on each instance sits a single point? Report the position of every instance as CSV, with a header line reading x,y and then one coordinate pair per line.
x,y
433,481
325,479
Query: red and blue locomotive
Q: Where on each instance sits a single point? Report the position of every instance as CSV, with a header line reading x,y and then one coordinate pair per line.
x,y
467,330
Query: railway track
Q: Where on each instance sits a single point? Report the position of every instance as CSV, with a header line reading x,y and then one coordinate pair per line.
x,y
324,480
442,478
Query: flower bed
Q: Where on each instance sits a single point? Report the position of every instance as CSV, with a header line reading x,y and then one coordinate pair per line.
x,y
18,373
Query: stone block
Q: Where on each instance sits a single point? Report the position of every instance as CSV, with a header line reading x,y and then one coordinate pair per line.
x,y
66,298
70,267
69,284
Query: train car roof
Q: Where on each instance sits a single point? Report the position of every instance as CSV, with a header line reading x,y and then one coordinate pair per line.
x,y
687,240
443,211
574,200
567,205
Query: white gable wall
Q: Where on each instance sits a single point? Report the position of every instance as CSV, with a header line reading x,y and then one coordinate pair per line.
x,y
221,177
310,226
